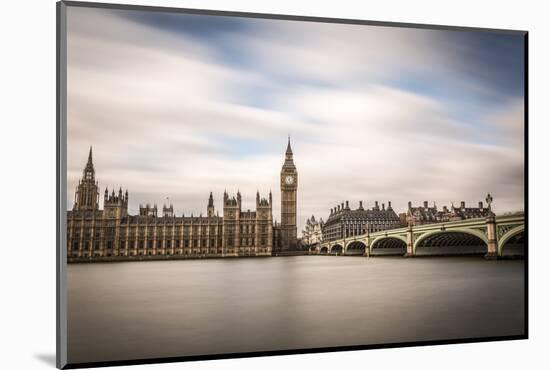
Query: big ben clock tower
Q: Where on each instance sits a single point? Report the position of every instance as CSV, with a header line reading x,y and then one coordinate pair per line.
x,y
289,186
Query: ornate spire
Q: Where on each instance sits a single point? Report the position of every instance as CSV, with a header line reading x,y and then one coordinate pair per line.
x,y
289,162
87,192
210,200
288,148
88,175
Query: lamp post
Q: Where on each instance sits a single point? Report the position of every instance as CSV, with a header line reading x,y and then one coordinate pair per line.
x,y
492,242
489,200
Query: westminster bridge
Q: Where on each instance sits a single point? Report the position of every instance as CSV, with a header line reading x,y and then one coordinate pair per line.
x,y
494,236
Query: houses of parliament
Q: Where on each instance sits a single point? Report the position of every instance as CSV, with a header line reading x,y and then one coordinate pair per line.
x,y
111,233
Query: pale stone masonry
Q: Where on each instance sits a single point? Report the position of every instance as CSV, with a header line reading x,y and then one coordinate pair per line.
x,y
425,214
289,188
344,222
94,234
312,233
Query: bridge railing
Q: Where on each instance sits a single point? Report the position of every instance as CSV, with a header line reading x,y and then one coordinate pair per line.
x,y
411,233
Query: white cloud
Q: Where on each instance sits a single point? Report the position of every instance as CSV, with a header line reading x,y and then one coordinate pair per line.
x,y
167,118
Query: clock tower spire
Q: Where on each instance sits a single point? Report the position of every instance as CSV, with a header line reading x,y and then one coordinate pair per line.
x,y
289,186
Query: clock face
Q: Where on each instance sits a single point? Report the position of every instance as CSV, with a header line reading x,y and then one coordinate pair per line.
x,y
289,180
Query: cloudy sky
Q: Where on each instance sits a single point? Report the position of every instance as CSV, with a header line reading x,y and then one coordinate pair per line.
x,y
179,105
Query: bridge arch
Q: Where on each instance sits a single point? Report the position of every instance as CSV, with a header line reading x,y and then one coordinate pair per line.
x,y
323,249
336,248
514,232
476,237
356,247
391,244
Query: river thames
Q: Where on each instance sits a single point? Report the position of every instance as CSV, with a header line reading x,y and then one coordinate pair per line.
x,y
138,310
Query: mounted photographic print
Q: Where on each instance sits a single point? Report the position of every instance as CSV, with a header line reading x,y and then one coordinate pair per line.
x,y
236,184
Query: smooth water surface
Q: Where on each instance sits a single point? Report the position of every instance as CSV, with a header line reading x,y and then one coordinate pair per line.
x,y
152,309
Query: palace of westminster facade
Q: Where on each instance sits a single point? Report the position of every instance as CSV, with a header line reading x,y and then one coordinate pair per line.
x,y
95,234
112,233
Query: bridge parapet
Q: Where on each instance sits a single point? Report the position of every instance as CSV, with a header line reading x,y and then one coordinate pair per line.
x,y
494,231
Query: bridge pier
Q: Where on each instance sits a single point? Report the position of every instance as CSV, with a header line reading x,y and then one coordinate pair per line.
x,y
492,244
366,252
410,242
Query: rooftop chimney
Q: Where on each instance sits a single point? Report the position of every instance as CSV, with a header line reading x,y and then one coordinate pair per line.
x,y
389,204
360,204
463,204
480,204
410,204
425,204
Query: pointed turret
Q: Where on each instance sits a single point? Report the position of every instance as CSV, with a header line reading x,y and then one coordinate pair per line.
x,y
289,161
210,208
288,147
87,192
89,172
210,200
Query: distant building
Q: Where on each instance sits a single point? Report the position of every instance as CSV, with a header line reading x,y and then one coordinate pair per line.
x,y
93,234
403,219
289,187
428,215
344,222
277,239
312,233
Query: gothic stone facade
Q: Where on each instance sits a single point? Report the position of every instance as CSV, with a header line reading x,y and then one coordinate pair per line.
x,y
344,222
111,233
312,233
289,187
